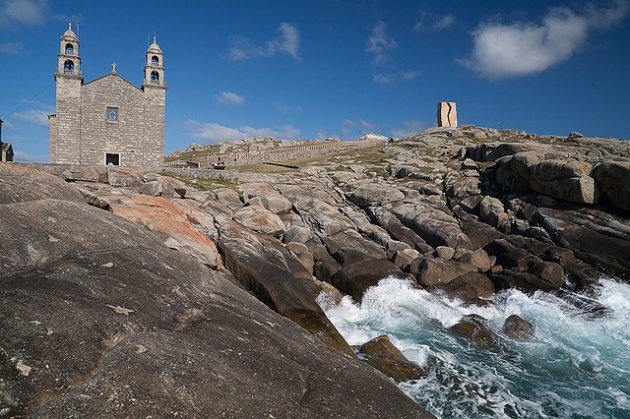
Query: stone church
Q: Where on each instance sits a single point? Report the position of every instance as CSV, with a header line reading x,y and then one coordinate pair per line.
x,y
107,121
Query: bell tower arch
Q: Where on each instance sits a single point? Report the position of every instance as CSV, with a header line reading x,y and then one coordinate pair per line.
x,y
65,124
154,66
69,60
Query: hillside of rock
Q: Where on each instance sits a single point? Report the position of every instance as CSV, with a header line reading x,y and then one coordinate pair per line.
x,y
128,292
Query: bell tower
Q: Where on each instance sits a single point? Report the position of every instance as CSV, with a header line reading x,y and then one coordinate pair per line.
x,y
69,60
154,88
65,124
154,66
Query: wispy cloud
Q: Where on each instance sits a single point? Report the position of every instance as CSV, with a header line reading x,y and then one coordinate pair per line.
x,y
21,156
23,12
392,78
37,115
408,129
230,98
381,78
216,133
429,22
522,48
284,108
286,41
353,129
380,44
11,48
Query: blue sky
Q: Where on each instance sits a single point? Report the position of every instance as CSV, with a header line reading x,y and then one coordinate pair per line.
x,y
312,69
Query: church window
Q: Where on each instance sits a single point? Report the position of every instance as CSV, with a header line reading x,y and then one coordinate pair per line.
x,y
112,114
68,67
155,60
112,159
155,77
69,49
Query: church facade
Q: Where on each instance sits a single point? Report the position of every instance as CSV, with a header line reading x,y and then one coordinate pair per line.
x,y
107,121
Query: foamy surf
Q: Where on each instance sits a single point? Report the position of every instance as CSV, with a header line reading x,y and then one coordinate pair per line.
x,y
575,365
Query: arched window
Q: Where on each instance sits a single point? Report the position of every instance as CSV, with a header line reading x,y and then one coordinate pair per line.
x,y
68,67
155,60
69,49
155,77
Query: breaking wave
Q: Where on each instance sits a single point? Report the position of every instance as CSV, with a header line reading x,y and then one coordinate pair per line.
x,y
576,364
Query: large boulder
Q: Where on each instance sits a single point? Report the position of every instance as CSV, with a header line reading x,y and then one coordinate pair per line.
x,y
365,196
381,353
260,219
471,288
613,182
434,226
517,327
354,279
596,237
435,272
397,230
491,211
348,247
277,278
566,180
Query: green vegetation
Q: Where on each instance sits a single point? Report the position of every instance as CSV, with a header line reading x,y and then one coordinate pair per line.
x,y
199,156
203,184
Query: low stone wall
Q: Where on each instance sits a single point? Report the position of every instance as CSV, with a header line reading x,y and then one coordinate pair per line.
x,y
277,154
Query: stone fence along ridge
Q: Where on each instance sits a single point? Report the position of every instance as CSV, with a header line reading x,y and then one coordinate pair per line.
x,y
276,154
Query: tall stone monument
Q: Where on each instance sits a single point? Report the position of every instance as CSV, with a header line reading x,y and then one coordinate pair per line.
x,y
447,114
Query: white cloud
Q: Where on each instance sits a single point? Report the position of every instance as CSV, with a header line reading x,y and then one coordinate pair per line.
x,y
502,51
436,22
284,108
23,12
216,133
381,78
21,156
444,22
408,129
410,74
230,98
38,116
11,48
387,79
286,41
380,43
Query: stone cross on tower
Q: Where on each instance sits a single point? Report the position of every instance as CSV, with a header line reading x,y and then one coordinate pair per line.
x,y
114,65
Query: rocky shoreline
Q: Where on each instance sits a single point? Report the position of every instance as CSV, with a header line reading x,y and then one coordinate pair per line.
x,y
135,293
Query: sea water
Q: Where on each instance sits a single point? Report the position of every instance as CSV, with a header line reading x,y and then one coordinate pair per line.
x,y
576,364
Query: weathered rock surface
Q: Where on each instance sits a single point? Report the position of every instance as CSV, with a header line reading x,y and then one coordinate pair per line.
x,y
473,328
100,318
158,213
613,182
381,353
260,219
517,327
544,214
433,272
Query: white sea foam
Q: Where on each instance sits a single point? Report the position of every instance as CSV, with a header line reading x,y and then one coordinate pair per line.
x,y
577,363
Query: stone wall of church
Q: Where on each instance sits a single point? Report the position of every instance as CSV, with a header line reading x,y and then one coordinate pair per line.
x,y
65,127
138,134
80,132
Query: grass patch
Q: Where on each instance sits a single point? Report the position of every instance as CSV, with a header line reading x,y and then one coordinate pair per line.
x,y
202,184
